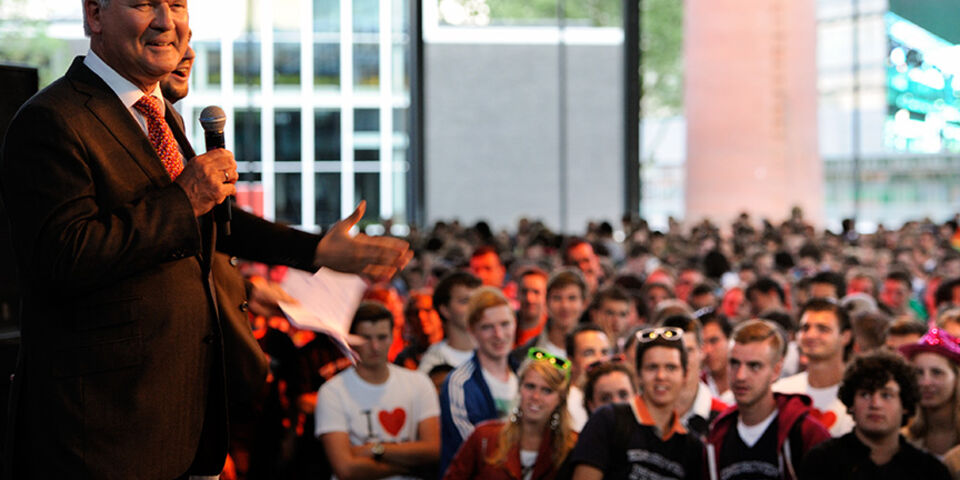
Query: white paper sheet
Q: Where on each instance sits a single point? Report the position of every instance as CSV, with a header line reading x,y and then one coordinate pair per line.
x,y
327,302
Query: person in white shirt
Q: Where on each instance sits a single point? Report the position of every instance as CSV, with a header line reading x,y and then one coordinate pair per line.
x,y
586,344
451,297
374,420
825,338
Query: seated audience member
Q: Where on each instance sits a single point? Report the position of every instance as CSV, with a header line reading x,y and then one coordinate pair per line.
x,y
703,295
825,338
607,383
828,285
421,328
896,294
482,387
611,311
695,404
532,296
450,299
578,253
766,434
791,362
716,350
765,294
566,301
869,330
586,344
655,293
644,439
373,419
534,440
881,390
936,427
904,331
949,321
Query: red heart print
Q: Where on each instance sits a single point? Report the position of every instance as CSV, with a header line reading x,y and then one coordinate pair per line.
x,y
827,418
393,421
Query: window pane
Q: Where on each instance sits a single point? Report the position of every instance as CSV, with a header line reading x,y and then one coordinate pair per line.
x,y
287,135
366,16
212,53
327,189
247,130
286,63
288,198
366,154
246,63
366,120
326,64
367,187
326,16
366,66
326,141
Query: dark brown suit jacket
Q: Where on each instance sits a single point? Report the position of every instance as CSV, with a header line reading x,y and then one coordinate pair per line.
x,y
121,369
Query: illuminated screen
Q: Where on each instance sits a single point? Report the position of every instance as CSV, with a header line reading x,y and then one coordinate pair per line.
x,y
923,84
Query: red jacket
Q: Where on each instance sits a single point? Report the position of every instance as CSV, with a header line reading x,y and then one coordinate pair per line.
x,y
471,459
792,408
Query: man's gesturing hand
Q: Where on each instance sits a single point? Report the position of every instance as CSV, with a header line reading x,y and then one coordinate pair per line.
x,y
376,257
208,179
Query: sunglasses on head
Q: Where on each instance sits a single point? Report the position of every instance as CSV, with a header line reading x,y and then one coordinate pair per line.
x,y
666,333
540,354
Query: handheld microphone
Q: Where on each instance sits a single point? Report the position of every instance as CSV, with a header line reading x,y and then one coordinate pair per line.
x,y
212,119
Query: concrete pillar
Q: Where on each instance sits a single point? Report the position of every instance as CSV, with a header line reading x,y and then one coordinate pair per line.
x,y
751,108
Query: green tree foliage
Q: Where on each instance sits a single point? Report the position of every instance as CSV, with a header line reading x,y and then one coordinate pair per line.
x,y
661,38
25,42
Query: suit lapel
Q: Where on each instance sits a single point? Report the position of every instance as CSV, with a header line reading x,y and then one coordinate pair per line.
x,y
107,108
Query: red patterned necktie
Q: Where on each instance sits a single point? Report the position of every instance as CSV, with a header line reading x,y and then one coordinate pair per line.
x,y
161,137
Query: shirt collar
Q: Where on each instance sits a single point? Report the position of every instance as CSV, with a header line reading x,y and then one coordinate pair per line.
x,y
125,89
644,418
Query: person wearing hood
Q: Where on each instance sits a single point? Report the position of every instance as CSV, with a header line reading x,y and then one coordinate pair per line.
x,y
767,434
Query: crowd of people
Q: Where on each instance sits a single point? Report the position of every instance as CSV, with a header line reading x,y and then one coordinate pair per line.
x,y
751,351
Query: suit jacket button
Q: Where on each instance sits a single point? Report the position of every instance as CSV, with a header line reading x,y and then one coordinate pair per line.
x,y
244,307
234,261
208,339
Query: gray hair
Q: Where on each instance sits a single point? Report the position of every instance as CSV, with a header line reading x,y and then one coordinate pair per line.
x,y
86,25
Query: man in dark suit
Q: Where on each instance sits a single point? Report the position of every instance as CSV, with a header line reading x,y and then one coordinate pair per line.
x,y
121,368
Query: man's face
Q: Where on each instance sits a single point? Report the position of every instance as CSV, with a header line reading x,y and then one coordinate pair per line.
x,y
378,336
176,85
752,371
613,316
142,41
488,268
823,290
894,294
588,347
860,285
715,347
456,311
661,376
656,295
494,332
820,335
685,283
583,257
533,296
614,387
878,414
703,300
565,305
694,355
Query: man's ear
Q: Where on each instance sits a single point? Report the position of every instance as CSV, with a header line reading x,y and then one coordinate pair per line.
x,y
92,11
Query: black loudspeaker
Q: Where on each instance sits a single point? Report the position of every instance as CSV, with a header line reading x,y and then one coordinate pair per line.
x,y
19,84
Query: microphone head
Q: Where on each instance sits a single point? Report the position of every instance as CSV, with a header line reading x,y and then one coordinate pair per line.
x,y
213,119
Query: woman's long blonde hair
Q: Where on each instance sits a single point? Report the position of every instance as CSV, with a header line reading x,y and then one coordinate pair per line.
x,y
558,380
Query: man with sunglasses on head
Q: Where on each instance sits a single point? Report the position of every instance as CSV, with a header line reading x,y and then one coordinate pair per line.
x,y
767,434
643,439
481,388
